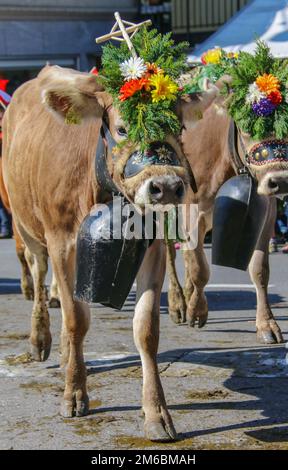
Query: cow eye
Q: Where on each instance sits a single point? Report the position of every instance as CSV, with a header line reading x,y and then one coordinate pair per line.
x,y
122,131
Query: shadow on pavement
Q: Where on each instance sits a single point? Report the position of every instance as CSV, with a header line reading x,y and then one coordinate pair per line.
x,y
260,373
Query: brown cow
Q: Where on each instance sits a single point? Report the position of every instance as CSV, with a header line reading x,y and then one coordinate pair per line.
x,y
49,174
210,158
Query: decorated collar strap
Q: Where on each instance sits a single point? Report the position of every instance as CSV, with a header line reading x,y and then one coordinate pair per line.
x,y
268,151
158,153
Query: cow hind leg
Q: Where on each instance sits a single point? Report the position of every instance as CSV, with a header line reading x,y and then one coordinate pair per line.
x,y
158,423
268,331
176,299
76,318
198,274
40,337
54,298
27,286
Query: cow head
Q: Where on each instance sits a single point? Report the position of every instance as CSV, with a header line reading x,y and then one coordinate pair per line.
x,y
155,176
267,161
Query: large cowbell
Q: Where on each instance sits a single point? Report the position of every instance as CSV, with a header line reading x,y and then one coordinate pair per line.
x,y
238,217
108,259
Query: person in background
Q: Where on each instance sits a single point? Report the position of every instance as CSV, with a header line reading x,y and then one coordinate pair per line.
x,y
280,234
285,225
5,217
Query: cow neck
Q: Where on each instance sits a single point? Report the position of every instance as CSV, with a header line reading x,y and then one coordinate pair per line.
x,y
105,146
233,138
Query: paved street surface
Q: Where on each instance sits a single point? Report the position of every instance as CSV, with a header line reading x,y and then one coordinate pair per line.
x,y
224,390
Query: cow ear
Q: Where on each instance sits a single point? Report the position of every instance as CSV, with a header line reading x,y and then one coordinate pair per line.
x,y
192,106
220,103
73,96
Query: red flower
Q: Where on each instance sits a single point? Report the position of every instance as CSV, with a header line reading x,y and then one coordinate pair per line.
x,y
94,71
3,84
130,88
275,97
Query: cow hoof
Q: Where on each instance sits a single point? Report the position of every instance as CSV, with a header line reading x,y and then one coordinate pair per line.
x,y
269,337
178,316
158,432
41,353
69,410
201,320
197,311
54,303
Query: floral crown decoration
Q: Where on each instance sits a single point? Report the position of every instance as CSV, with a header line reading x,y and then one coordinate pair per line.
x,y
144,88
258,94
214,64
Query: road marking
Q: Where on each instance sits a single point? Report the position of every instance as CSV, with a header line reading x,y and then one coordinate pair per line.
x,y
230,286
9,284
235,286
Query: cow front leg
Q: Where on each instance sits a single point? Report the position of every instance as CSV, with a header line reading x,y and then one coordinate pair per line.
x,y
158,423
76,319
268,331
27,286
198,275
176,298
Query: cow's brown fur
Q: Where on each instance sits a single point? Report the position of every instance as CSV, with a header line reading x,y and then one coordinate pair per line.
x,y
26,278
206,148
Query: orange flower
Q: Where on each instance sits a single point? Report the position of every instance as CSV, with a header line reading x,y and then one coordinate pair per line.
x,y
152,68
131,87
268,83
275,97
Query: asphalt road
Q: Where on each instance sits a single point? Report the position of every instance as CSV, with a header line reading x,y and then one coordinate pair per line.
x,y
224,390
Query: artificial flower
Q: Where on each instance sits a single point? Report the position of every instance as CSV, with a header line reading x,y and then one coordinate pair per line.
x,y
133,68
131,87
275,97
164,88
267,83
254,95
263,108
213,56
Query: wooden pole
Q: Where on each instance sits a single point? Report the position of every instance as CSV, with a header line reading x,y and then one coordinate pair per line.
x,y
125,34
115,34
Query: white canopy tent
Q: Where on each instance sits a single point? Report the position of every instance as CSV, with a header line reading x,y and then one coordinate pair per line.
x,y
260,19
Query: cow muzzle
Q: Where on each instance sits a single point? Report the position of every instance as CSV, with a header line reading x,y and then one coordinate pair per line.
x,y
274,184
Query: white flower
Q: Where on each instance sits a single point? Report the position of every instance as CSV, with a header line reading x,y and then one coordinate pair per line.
x,y
254,94
133,68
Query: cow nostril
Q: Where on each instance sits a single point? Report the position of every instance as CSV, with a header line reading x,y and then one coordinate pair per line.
x,y
272,184
179,190
155,188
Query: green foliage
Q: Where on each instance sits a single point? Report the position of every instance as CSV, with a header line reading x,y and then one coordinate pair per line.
x,y
146,120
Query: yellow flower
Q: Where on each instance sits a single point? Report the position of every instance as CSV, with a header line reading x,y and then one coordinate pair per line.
x,y
213,56
164,88
268,83
232,55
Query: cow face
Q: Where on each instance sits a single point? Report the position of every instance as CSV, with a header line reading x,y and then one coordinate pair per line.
x,y
267,160
268,163
156,176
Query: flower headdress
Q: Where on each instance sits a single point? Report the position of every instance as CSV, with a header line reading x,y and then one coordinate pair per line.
x,y
144,86
258,94
214,64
